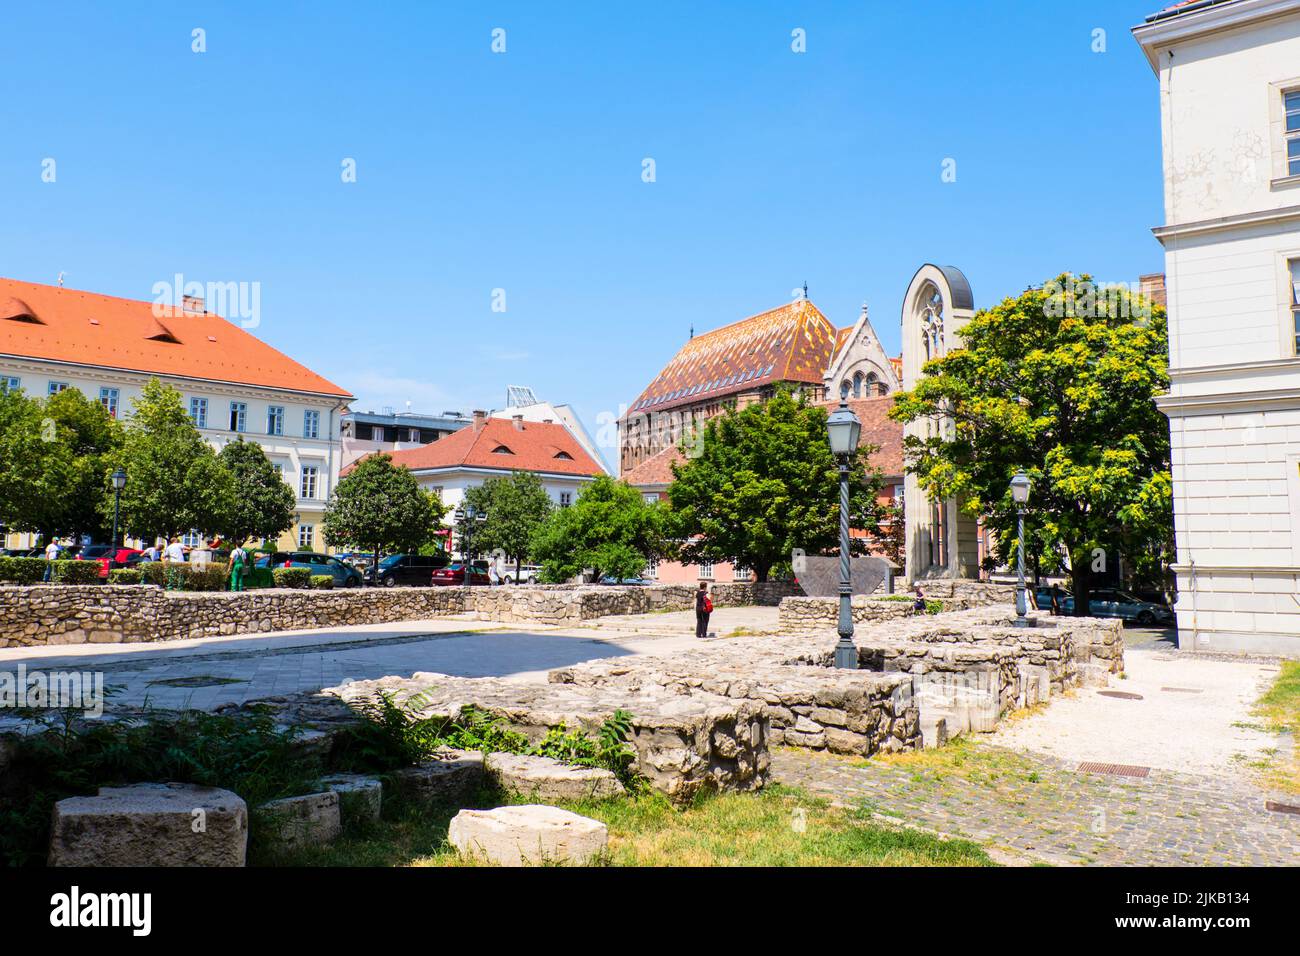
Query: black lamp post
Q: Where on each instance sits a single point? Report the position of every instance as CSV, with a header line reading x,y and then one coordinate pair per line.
x,y
466,516
119,482
844,429
1020,486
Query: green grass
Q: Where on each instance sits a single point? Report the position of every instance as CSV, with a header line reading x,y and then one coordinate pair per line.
x,y
1280,710
777,826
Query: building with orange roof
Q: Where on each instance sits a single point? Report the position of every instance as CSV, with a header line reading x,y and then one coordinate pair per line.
x,y
495,447
234,385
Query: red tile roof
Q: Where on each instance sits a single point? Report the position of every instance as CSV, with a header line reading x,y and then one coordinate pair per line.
x,y
68,325
879,429
655,470
532,447
792,343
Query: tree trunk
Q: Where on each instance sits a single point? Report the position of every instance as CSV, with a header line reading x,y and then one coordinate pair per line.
x,y
1081,582
519,568
761,571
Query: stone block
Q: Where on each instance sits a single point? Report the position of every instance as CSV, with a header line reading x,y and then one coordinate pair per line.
x,y
934,731
451,776
534,834
361,798
150,824
544,779
292,822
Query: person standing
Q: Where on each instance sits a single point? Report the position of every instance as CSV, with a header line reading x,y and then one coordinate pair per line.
x,y
173,554
918,606
703,608
237,564
51,555
150,553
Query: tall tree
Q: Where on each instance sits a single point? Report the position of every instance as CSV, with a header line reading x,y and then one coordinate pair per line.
x,y
175,482
764,483
610,529
1060,381
93,437
515,507
380,505
264,503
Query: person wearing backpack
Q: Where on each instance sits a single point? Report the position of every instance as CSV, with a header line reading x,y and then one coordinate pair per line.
x,y
237,564
703,608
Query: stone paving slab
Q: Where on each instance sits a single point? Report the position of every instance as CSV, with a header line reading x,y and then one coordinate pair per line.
x,y
1041,809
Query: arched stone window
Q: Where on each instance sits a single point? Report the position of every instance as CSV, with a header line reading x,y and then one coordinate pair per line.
x,y
857,385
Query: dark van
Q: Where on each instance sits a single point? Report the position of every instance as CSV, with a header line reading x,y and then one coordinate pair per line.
x,y
398,569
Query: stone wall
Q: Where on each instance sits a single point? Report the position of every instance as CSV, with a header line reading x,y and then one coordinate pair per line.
x,y
753,593
811,613
97,613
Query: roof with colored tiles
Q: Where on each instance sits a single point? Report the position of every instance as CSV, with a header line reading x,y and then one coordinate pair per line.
x,y
86,328
791,343
655,470
502,444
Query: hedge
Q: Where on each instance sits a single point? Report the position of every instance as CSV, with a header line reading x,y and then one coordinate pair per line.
x,y
76,572
322,582
292,577
258,578
125,576
22,570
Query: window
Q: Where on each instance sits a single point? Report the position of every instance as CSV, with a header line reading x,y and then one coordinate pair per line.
x,y
650,497
739,572
238,416
311,425
305,534
1291,104
192,539
307,484
652,569
706,570
279,468
56,387
275,419
199,412
108,398
1295,302
566,499
10,384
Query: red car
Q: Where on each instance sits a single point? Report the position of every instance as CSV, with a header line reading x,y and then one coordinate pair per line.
x,y
122,558
454,574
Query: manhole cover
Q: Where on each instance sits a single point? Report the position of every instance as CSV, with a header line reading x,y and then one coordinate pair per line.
x,y
198,681
1121,694
1182,690
1281,807
1118,769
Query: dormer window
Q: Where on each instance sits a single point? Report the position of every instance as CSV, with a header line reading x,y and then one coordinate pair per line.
x,y
563,456
502,450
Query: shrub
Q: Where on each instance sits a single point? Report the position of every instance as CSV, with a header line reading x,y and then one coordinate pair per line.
x,y
209,577
125,576
22,570
76,572
153,572
322,582
259,578
292,577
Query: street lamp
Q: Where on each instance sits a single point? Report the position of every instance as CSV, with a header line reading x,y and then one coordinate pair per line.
x,y
843,429
1020,485
466,516
119,482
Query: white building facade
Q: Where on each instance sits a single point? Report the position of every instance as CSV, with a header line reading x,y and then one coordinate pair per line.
x,y
1229,77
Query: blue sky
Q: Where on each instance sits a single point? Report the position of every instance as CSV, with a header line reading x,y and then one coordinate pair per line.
x,y
522,171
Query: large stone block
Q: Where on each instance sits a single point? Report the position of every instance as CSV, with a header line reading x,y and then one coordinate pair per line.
x,y
150,824
361,798
542,778
450,776
517,836
308,820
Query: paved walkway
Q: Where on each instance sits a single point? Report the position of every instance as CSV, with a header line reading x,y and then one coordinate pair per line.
x,y
1028,808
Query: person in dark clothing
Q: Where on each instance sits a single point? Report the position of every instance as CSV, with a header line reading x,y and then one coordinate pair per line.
x,y
918,606
703,608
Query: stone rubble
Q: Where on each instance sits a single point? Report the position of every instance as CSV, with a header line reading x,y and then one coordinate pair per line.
x,y
532,834
294,822
547,780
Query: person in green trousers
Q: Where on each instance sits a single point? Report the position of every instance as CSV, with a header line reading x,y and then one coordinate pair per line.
x,y
237,564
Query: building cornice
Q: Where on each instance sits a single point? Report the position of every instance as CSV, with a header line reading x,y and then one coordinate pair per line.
x,y
1218,404
480,470
1196,372
1262,217
1190,24
1283,571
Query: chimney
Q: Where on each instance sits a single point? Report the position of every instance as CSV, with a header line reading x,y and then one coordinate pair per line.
x,y
192,304
480,419
519,422
547,421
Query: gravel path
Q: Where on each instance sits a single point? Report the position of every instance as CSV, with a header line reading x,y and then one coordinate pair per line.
x,y
1193,717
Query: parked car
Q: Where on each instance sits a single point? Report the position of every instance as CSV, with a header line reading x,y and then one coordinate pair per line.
x,y
344,575
528,574
454,574
121,558
1109,602
627,582
398,569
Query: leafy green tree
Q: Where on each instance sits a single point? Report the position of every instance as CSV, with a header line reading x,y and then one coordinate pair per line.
x,y
610,529
264,503
380,505
1062,385
175,482
515,507
93,438
764,483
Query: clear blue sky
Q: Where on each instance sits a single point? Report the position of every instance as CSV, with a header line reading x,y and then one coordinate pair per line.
x,y
522,171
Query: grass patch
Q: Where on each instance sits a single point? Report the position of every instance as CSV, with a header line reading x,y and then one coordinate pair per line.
x,y
967,759
1280,710
777,826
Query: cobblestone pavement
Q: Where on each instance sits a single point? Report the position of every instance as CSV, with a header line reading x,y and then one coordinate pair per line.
x,y
1029,808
